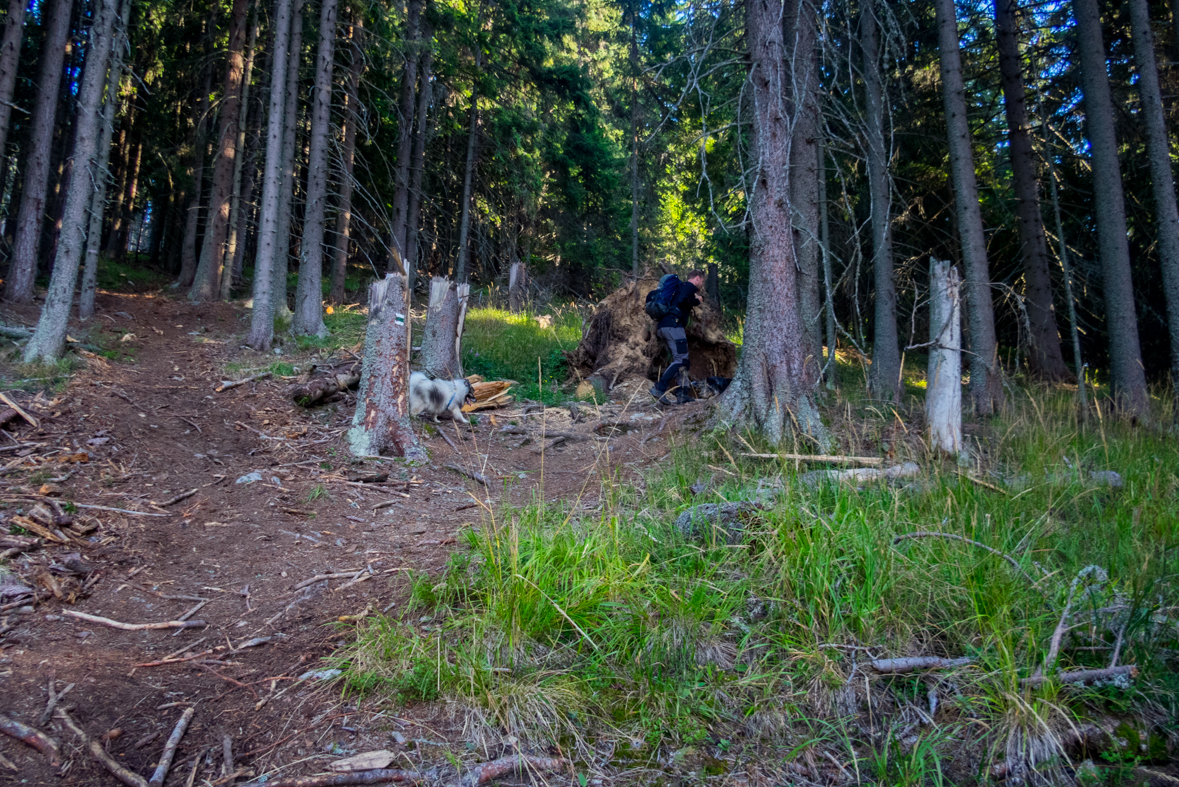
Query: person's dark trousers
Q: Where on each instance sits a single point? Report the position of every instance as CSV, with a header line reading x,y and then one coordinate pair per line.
x,y
677,343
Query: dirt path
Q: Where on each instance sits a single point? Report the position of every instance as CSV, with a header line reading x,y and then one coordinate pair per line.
x,y
155,429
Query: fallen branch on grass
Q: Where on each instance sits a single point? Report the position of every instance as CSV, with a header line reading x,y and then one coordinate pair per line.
x,y
953,536
157,778
476,777
166,624
1084,675
860,474
227,384
869,461
471,474
35,738
902,666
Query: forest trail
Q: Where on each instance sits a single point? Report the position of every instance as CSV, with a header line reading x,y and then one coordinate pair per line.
x,y
155,429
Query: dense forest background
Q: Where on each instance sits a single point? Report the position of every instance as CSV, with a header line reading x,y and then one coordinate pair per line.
x,y
326,143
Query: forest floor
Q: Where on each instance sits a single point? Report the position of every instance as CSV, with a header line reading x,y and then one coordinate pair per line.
x,y
134,434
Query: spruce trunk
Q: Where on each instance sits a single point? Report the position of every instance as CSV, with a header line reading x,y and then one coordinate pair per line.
x,y
943,393
464,239
1121,318
442,337
418,165
986,384
286,197
262,320
348,156
1044,352
14,26
771,387
409,80
884,378
1162,180
381,424
309,294
188,246
23,269
48,340
236,226
206,282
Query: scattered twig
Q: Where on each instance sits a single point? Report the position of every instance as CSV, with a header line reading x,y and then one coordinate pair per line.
x,y
35,738
322,577
54,698
227,755
169,752
449,442
953,536
868,461
192,611
484,773
380,776
915,664
117,510
32,421
124,775
226,384
167,624
178,498
471,474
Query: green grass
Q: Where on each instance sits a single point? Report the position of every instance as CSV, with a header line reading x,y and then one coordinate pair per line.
x,y
32,377
503,346
127,276
564,627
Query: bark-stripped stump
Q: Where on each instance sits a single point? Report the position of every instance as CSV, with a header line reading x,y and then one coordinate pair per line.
x,y
443,337
517,287
381,423
943,394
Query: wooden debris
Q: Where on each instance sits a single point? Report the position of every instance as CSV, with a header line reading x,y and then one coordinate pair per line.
x,y
35,738
227,384
368,761
317,389
860,474
8,415
167,624
54,698
227,768
902,666
471,474
32,421
867,461
321,577
383,776
488,771
130,778
117,510
157,778
489,395
178,498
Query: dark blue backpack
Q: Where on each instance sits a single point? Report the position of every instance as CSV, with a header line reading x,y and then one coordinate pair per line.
x,y
659,300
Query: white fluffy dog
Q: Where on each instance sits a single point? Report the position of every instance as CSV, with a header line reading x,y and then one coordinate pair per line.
x,y
435,397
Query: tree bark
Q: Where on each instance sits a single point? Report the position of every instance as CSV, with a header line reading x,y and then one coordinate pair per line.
x,y
120,239
205,284
309,294
464,241
1044,353
830,366
188,247
98,204
236,225
986,384
409,82
771,386
442,337
634,141
801,38
943,393
418,164
48,339
262,319
381,424
22,271
348,158
1074,327
1121,318
884,378
517,287
290,183
14,27
1162,180
247,215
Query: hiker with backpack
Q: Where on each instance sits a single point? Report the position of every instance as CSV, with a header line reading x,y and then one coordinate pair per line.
x,y
670,305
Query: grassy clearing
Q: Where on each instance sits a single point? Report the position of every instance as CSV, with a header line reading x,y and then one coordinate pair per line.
x,y
562,627
503,346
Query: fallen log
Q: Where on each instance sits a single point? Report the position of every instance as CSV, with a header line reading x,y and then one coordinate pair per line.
x,y
35,738
860,474
869,461
484,773
902,666
320,388
229,384
1083,675
167,624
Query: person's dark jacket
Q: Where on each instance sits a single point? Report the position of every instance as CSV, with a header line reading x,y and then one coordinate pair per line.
x,y
681,306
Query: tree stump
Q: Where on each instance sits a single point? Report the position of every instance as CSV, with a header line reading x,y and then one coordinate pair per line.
x,y
443,337
381,424
943,393
620,342
517,287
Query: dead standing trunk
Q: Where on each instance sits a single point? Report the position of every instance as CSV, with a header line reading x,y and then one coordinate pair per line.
x,y
48,340
986,385
262,320
801,42
102,176
443,334
348,158
286,197
1044,353
1121,318
14,26
381,424
771,388
943,393
309,294
1162,179
23,270
517,286
884,378
205,284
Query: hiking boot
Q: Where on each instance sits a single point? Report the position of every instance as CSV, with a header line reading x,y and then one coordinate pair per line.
x,y
660,396
682,397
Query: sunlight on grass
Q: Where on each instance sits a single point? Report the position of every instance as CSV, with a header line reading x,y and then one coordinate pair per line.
x,y
503,346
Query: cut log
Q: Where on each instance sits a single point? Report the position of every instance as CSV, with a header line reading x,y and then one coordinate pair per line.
x,y
860,474
517,287
620,342
943,394
381,423
488,395
443,336
340,378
